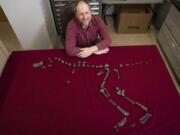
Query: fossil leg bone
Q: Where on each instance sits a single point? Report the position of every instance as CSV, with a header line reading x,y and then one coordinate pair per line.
x,y
122,93
145,118
121,123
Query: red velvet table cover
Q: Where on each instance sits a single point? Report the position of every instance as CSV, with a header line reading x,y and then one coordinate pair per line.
x,y
53,101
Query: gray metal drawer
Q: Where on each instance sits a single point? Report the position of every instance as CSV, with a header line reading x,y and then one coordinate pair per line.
x,y
170,48
163,39
174,13
173,23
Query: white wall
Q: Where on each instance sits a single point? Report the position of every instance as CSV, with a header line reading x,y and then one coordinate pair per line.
x,y
32,22
49,20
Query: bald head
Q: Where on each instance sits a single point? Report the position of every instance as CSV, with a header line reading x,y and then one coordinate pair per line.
x,y
83,13
81,4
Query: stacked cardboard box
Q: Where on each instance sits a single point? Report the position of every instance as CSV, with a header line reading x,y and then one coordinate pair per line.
x,y
133,19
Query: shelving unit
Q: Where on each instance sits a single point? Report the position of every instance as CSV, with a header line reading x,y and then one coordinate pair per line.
x,y
60,16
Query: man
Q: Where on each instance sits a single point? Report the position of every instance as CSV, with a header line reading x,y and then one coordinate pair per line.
x,y
86,34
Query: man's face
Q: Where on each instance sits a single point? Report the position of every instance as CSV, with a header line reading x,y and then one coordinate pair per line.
x,y
83,14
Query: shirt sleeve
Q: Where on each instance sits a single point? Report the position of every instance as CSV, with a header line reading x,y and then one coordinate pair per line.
x,y
104,35
70,40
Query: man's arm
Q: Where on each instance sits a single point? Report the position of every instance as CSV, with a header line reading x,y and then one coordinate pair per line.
x,y
104,35
70,40
102,46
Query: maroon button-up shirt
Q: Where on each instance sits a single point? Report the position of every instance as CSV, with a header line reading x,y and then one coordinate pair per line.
x,y
78,37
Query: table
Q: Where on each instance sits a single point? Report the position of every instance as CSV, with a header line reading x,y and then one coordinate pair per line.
x,y
61,99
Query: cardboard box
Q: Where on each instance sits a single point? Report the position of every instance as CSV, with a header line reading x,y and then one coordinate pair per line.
x,y
133,19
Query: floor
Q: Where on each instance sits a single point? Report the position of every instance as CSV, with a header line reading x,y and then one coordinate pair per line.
x,y
8,37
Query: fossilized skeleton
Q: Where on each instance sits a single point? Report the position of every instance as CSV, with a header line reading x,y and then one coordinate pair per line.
x,y
103,90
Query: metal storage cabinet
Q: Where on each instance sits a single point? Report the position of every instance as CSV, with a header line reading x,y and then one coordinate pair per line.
x,y
169,39
160,13
58,5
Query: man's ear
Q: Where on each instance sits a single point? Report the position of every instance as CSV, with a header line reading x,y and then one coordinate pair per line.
x,y
74,10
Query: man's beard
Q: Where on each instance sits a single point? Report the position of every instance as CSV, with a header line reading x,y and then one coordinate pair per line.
x,y
85,24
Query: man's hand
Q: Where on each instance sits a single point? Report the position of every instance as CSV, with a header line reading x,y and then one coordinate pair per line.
x,y
85,52
102,51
